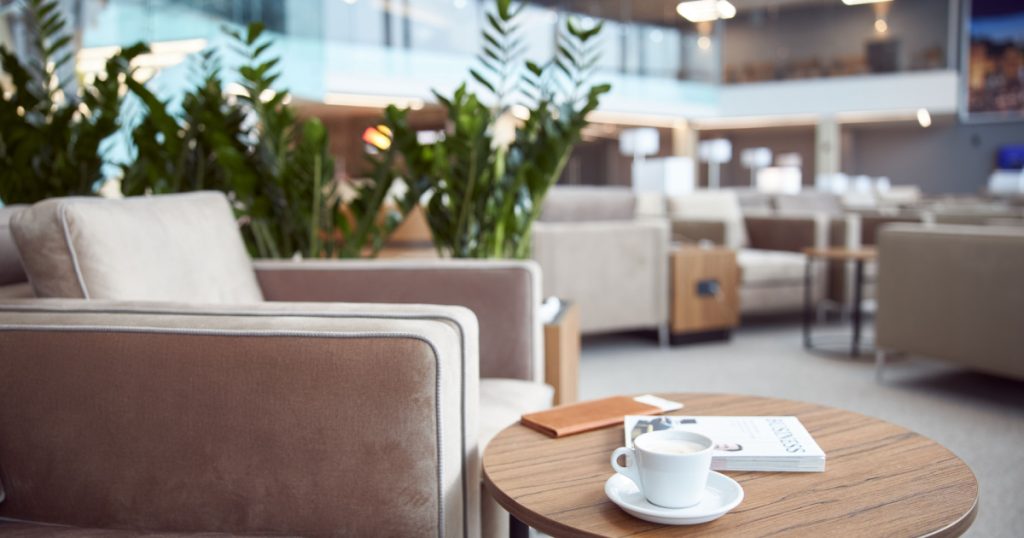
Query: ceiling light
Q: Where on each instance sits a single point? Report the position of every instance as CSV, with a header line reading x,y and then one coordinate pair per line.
x,y
706,10
923,117
859,2
704,42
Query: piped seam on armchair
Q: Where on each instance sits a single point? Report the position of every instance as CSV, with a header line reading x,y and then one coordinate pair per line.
x,y
297,334
62,211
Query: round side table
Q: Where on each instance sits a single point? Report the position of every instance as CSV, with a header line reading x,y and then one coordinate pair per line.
x,y
880,480
859,256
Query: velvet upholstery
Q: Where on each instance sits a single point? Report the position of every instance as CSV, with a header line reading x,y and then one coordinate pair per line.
x,y
178,247
617,272
504,295
11,271
953,293
265,419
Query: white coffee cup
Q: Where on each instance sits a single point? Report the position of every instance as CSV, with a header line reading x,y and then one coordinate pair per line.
x,y
669,466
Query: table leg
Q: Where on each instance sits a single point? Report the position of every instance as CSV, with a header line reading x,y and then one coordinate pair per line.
x,y
517,529
807,303
858,283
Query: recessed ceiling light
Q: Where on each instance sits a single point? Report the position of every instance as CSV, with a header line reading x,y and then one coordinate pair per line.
x,y
706,10
704,42
881,26
858,2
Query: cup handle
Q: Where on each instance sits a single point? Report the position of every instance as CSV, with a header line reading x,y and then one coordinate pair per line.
x,y
629,470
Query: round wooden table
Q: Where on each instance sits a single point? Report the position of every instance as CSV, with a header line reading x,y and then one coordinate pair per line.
x,y
880,480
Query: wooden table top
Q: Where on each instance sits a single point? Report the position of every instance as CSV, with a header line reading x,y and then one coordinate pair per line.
x,y
880,480
843,254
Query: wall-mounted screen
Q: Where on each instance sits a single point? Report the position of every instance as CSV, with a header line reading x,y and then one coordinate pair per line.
x,y
995,59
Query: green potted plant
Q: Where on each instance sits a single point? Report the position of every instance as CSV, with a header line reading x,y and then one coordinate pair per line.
x,y
276,169
50,138
484,181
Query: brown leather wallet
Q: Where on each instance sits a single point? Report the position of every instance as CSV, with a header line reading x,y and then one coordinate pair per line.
x,y
585,416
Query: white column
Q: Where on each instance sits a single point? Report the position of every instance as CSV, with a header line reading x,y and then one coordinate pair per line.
x,y
827,148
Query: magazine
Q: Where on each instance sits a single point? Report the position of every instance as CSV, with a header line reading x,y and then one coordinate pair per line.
x,y
743,443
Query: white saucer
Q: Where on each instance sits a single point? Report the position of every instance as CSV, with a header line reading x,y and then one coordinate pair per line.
x,y
721,495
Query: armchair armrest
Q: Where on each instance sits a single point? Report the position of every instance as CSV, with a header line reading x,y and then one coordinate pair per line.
x,y
696,230
256,419
504,295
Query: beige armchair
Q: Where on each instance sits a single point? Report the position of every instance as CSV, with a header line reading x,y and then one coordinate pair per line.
x,y
594,251
186,249
953,293
767,246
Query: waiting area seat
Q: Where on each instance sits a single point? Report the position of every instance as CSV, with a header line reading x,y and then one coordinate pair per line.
x,y
952,293
596,251
771,266
182,255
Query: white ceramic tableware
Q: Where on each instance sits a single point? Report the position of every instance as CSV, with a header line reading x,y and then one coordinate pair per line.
x,y
721,495
670,467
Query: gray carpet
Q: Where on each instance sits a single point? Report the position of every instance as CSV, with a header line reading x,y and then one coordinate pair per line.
x,y
978,417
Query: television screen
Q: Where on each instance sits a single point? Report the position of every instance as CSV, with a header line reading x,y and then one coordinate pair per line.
x,y
995,59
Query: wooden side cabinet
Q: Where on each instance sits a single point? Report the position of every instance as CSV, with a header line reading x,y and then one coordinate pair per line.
x,y
705,294
562,354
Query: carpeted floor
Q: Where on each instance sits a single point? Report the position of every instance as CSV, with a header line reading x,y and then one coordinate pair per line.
x,y
979,417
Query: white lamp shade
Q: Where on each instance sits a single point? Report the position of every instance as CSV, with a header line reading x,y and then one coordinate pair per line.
x,y
667,175
716,150
779,180
756,157
641,141
789,159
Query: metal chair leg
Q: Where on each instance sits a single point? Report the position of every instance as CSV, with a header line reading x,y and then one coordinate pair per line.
x,y
880,358
663,335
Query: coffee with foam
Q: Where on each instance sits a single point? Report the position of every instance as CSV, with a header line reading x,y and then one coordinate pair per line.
x,y
672,446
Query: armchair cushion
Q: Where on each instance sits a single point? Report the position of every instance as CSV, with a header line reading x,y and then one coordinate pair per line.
x,y
576,203
177,247
504,401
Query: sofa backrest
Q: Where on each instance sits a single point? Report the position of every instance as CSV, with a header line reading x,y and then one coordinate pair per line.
x,y
717,205
809,203
176,247
587,203
11,271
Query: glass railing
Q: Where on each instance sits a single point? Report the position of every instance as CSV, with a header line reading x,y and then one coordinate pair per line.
x,y
449,27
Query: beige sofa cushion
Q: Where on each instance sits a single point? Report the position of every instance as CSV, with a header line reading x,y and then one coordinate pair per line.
x,y
809,203
503,401
10,263
178,247
770,266
715,205
576,204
